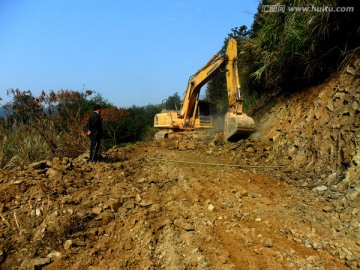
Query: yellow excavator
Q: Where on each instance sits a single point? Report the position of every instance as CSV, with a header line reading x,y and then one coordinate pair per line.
x,y
237,123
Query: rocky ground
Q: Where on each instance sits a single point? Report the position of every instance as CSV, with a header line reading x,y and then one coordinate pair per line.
x,y
286,198
175,204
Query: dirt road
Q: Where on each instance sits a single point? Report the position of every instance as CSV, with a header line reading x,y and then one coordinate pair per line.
x,y
138,210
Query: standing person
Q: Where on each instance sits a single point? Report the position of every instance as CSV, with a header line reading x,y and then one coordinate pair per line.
x,y
95,132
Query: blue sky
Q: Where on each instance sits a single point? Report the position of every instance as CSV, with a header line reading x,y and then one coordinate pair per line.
x,y
132,52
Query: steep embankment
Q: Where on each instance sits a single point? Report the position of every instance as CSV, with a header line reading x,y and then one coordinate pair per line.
x,y
316,133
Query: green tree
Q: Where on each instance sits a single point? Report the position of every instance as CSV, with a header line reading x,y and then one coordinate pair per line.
x,y
98,100
173,102
46,125
293,49
286,51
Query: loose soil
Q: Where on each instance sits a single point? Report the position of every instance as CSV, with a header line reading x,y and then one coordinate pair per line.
x,y
139,209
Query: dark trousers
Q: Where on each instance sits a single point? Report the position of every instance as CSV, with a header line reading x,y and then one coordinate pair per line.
x,y
94,148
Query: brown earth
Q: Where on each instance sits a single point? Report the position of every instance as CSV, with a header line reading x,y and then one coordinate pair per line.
x,y
291,200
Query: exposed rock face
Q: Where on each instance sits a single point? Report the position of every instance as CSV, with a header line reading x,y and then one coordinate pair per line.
x,y
317,131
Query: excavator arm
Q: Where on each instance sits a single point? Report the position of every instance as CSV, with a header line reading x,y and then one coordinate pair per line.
x,y
237,123
232,78
198,80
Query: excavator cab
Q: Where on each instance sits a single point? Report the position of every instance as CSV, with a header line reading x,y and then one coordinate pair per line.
x,y
204,114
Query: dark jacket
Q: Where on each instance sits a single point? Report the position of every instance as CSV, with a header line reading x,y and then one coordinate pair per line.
x,y
95,125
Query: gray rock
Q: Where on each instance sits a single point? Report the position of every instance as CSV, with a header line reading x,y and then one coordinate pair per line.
x,y
320,188
39,262
308,244
68,244
38,165
38,212
316,245
268,242
54,254
96,210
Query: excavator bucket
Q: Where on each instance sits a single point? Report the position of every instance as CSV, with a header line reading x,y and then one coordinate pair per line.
x,y
238,126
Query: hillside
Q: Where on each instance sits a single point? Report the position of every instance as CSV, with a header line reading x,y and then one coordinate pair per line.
x,y
316,132
291,202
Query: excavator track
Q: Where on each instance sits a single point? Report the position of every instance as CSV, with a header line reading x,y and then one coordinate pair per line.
x,y
238,126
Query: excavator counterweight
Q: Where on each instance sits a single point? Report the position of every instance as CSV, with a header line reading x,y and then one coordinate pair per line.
x,y
237,124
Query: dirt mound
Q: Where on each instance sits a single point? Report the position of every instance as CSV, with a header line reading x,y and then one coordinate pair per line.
x,y
286,198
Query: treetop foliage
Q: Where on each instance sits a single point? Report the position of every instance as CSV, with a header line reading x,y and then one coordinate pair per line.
x,y
287,50
59,121
173,102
